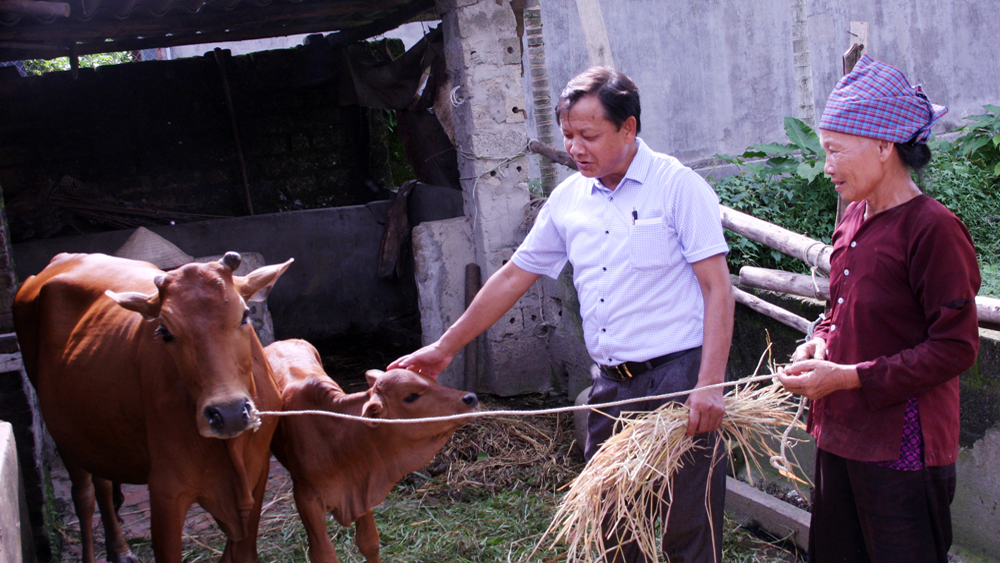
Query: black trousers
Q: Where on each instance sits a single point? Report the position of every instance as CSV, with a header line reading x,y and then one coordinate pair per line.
x,y
693,522
863,513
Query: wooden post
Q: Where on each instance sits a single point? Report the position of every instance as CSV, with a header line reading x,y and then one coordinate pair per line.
x,y
236,130
473,278
598,45
859,44
35,8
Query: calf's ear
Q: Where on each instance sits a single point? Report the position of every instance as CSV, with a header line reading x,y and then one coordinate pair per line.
x,y
257,284
373,409
146,305
372,376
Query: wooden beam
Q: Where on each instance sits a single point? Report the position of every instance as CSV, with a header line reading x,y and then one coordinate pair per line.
x,y
989,311
405,14
810,251
777,313
35,8
249,19
817,287
552,153
595,33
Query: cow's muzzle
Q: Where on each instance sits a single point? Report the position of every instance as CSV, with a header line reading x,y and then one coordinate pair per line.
x,y
227,420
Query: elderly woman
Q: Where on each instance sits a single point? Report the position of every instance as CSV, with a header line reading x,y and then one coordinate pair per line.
x,y
882,368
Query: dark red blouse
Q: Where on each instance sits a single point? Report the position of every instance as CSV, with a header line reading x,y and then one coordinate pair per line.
x,y
902,307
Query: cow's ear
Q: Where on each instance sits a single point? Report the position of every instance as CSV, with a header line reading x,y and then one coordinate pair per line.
x,y
372,376
373,409
257,284
146,305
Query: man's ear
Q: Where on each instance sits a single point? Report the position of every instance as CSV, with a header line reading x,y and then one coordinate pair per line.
x,y
629,126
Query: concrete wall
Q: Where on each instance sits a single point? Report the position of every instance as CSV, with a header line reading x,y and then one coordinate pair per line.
x,y
718,76
331,289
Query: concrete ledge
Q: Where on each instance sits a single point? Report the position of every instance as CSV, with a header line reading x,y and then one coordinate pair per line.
x,y
15,541
749,506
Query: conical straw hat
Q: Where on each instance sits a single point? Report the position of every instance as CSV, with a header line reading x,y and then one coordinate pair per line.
x,y
151,247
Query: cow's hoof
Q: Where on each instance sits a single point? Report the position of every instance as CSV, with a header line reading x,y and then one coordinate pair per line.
x,y
127,557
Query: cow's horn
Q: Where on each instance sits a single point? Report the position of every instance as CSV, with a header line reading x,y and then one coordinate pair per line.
x,y
232,260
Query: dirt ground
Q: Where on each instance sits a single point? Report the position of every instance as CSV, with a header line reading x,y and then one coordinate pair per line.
x,y
134,513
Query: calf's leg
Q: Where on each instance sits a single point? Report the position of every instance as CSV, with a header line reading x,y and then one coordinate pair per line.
x,y
366,537
313,515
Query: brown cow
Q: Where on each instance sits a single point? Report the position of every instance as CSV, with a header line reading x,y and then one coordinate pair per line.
x,y
348,467
151,377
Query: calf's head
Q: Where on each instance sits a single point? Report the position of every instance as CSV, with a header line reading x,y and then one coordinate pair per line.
x,y
202,321
401,393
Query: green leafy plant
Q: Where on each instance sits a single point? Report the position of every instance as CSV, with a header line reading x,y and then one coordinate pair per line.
x,y
980,140
42,66
782,183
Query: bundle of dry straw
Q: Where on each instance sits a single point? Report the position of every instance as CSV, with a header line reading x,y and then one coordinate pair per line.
x,y
634,468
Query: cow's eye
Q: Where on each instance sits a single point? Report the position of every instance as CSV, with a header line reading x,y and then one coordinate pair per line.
x,y
246,315
411,397
163,333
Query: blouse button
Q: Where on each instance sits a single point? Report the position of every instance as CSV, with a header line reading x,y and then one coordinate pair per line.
x,y
853,243
839,300
833,327
847,272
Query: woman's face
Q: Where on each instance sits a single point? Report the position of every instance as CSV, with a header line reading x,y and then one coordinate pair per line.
x,y
854,164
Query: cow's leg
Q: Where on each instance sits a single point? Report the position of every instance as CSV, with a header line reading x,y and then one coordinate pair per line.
x,y
114,538
366,537
313,515
167,510
245,550
82,492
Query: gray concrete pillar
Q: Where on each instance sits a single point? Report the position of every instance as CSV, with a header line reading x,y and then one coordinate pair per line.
x,y
483,52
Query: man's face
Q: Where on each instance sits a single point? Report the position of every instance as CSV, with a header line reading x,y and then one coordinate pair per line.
x,y
599,149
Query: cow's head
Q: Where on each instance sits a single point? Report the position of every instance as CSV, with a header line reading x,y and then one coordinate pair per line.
x,y
401,393
202,321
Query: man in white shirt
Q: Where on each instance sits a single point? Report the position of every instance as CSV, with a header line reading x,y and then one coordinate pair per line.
x,y
644,236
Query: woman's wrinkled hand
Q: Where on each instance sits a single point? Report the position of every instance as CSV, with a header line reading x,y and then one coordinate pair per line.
x,y
816,379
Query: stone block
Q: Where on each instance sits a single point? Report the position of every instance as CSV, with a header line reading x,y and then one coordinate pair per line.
x,y
16,544
751,507
441,250
975,510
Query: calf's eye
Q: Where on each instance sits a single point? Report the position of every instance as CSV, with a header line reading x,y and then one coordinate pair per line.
x,y
411,397
246,315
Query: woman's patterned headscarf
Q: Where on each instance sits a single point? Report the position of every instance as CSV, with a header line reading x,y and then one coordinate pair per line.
x,y
875,100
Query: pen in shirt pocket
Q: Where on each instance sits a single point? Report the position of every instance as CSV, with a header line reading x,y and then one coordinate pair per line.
x,y
635,216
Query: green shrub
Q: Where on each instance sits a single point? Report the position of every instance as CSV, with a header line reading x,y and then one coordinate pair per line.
x,y
782,184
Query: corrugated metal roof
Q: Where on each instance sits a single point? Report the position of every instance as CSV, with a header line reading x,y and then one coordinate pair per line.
x,y
29,29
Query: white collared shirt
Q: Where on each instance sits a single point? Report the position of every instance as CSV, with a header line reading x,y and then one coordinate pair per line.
x,y
631,251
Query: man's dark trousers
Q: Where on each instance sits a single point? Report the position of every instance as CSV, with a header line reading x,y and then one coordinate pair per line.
x,y
692,533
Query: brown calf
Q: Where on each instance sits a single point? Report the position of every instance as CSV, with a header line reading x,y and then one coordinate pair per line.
x,y
347,467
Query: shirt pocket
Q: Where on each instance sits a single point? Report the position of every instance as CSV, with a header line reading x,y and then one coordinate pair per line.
x,y
647,244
